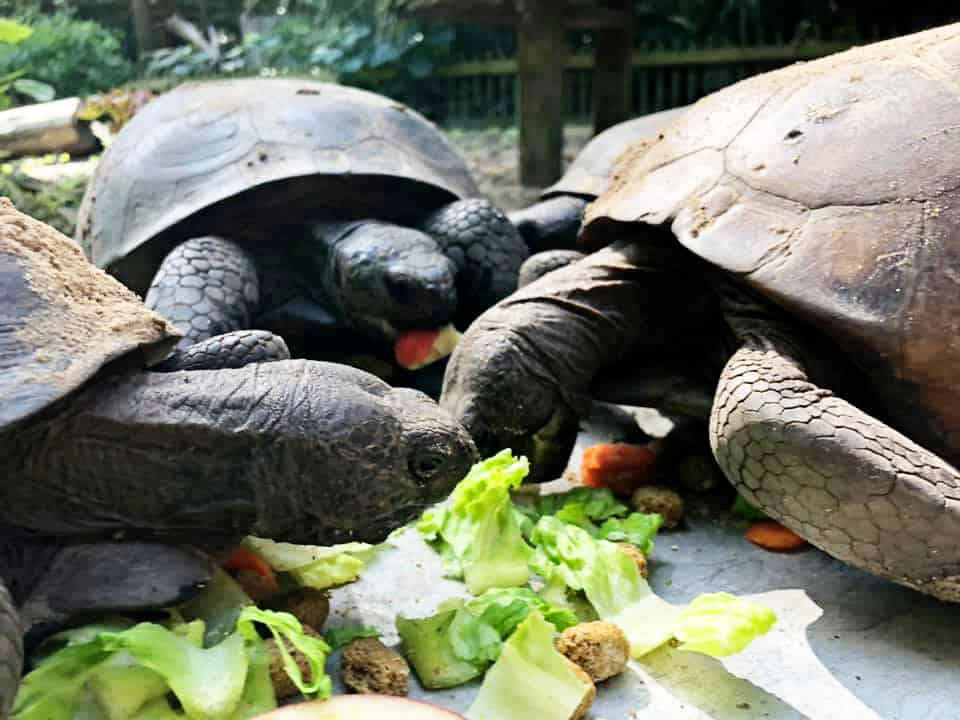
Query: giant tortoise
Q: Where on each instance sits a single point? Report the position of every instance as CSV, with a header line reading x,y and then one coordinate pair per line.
x,y
554,220
796,238
308,209
110,468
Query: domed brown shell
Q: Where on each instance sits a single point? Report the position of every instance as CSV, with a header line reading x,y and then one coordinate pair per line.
x,y
589,173
832,187
281,148
62,319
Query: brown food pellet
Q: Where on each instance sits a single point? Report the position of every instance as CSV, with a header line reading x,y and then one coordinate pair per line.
x,y
308,605
661,500
638,557
256,586
283,686
600,648
368,666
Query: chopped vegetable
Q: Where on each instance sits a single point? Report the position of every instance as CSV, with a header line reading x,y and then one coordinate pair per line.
x,y
336,638
721,624
416,349
659,500
618,466
582,506
427,646
472,633
637,529
314,566
531,679
771,535
612,583
245,559
479,528
126,669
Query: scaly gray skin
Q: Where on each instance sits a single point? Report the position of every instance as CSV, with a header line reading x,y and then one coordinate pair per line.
x,y
550,224
374,278
850,484
538,265
296,450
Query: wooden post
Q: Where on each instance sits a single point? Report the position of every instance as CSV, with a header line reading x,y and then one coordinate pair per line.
x,y
148,17
613,71
541,57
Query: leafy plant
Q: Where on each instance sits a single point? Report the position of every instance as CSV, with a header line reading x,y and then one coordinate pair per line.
x,y
116,106
13,85
73,57
53,203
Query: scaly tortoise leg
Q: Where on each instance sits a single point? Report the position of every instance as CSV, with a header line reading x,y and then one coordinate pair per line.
x,y
230,350
206,286
486,249
538,265
845,481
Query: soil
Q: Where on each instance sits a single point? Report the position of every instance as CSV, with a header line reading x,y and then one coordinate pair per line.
x,y
491,153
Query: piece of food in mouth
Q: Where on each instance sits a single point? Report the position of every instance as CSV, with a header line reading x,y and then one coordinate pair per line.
x,y
771,535
661,500
416,349
622,467
370,667
362,707
600,648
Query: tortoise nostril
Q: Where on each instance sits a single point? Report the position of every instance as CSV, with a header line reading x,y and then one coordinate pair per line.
x,y
401,287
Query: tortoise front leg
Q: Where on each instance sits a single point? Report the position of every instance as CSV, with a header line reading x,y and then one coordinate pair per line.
x,y
206,286
230,350
848,483
551,224
486,249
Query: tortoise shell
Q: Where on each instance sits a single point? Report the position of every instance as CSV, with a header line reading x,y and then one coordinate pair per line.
x,y
589,173
62,319
833,188
250,156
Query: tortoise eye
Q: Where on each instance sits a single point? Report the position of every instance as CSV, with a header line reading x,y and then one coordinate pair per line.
x,y
426,463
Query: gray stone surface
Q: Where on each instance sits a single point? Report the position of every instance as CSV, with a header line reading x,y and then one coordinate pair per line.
x,y
846,645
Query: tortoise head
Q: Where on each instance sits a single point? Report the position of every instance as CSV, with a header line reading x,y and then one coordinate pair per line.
x,y
382,279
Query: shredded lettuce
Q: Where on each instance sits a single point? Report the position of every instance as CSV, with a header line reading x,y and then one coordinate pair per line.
x,y
126,672
721,624
463,639
714,625
743,509
479,529
336,638
636,528
314,566
531,679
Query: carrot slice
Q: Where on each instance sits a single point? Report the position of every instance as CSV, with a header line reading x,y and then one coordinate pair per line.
x,y
244,559
414,346
618,466
771,535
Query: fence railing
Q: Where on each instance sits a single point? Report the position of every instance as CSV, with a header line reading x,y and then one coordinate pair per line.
x,y
485,90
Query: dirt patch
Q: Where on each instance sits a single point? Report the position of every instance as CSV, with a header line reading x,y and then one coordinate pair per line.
x,y
492,155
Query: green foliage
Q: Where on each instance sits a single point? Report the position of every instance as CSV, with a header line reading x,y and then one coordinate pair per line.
x,y
53,203
74,57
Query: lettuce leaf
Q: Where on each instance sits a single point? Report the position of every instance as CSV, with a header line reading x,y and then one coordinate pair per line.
x,y
337,637
610,580
462,640
479,527
125,672
531,679
315,566
637,528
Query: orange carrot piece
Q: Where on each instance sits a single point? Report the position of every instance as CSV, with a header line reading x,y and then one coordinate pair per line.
x,y
413,346
771,535
244,559
622,467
